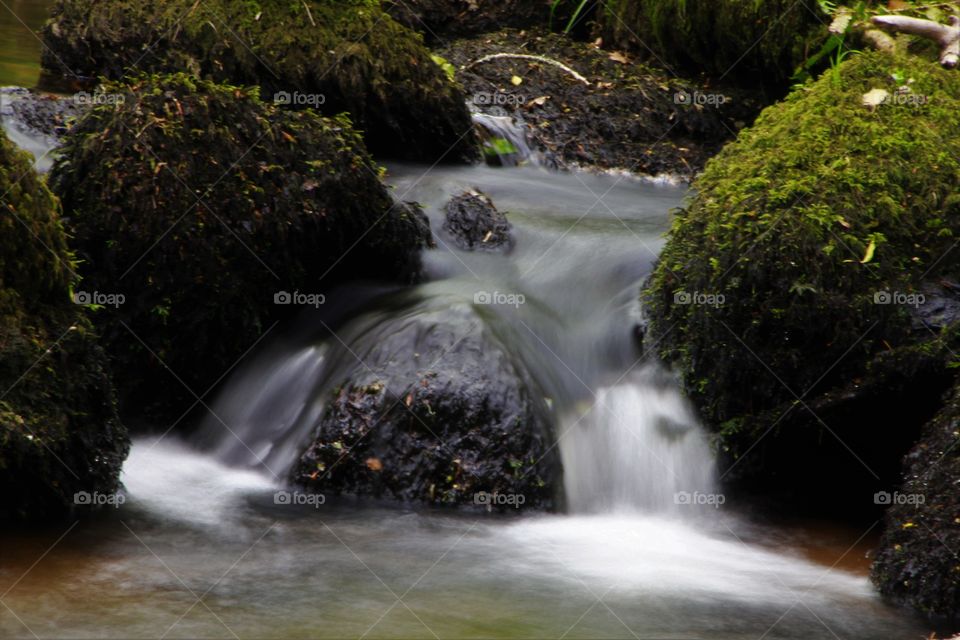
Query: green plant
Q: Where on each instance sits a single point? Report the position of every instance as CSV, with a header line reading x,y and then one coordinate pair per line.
x,y
577,14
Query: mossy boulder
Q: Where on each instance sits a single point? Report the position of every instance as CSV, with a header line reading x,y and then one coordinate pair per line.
x,y
203,206
59,430
754,41
917,563
797,267
339,55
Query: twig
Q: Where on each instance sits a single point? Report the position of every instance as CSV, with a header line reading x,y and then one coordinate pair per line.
x,y
947,36
525,56
309,15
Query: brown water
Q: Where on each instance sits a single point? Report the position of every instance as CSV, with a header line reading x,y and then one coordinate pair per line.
x,y
19,42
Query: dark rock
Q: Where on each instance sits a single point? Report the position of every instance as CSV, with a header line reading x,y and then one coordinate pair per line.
x,y
209,210
630,117
917,563
59,430
472,222
435,410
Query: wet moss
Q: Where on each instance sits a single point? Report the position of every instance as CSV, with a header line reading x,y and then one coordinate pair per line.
x,y
797,258
59,431
199,204
757,41
347,51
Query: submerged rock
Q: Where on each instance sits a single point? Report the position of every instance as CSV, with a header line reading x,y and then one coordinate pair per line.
x,y
917,563
435,410
59,430
213,215
472,222
333,55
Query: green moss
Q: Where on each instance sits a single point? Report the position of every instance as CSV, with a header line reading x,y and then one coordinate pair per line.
x,y
781,226
348,51
59,431
198,203
753,40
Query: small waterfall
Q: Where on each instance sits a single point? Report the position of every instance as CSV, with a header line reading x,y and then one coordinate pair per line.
x,y
506,140
638,448
260,418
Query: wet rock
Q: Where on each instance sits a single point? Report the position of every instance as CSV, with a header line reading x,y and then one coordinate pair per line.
x,y
472,222
59,430
629,117
36,122
214,215
435,410
917,563
334,56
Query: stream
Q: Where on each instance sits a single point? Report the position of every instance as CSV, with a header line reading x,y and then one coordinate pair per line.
x,y
200,549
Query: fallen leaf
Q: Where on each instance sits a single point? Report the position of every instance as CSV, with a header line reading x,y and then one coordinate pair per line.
x,y
374,464
875,97
616,56
841,22
516,81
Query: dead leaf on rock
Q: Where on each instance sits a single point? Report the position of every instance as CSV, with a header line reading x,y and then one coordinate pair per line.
x,y
374,464
875,97
622,58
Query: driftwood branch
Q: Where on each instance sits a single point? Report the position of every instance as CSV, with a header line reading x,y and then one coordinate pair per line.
x,y
525,56
947,36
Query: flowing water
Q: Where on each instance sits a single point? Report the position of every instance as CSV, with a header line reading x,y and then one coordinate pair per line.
x,y
200,549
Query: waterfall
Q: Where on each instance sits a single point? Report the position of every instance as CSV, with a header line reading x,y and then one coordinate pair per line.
x,y
506,139
638,448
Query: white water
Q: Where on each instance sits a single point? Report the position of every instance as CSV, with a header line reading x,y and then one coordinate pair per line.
x,y
638,449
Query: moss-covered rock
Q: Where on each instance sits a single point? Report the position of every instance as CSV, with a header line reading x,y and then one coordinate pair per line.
x,y
59,431
757,41
801,256
917,563
347,51
198,203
